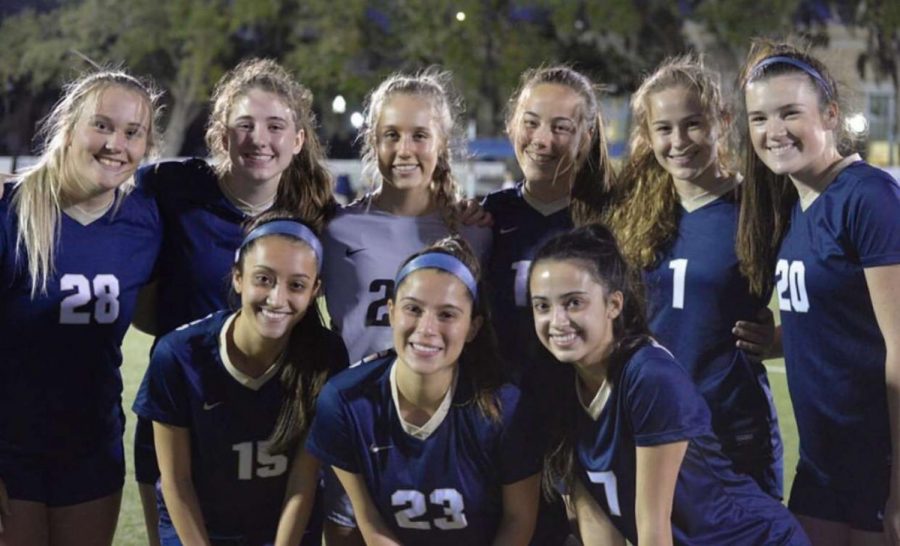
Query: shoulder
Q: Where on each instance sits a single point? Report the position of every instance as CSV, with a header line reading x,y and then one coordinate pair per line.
x,y
500,199
866,182
356,380
186,337
653,364
165,177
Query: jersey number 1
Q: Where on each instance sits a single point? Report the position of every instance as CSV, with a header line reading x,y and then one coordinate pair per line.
x,y
679,268
610,487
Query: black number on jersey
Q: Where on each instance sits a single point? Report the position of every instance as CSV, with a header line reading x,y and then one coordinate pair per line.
x,y
377,314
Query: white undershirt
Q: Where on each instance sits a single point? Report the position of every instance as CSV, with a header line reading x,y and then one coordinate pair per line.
x,y
545,208
253,383
424,431
598,403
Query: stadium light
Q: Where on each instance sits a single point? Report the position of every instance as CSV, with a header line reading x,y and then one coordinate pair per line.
x,y
339,105
857,124
460,16
356,120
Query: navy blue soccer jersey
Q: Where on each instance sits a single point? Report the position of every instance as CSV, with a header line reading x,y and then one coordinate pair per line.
x,y
654,402
202,230
834,350
519,231
240,485
60,386
443,490
695,294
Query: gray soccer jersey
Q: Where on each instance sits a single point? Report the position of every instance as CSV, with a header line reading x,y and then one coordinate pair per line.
x,y
363,251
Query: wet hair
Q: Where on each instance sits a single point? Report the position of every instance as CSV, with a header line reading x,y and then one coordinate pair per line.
x,y
306,185
433,86
480,357
593,174
307,358
645,211
40,198
767,198
593,248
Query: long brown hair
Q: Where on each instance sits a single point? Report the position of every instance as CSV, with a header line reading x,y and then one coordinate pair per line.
x,y
435,87
481,357
645,211
306,185
593,247
593,177
308,359
767,198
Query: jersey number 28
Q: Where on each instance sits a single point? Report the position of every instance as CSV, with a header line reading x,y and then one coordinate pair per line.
x,y
103,287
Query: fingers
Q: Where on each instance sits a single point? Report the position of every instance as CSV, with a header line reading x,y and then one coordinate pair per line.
x,y
472,213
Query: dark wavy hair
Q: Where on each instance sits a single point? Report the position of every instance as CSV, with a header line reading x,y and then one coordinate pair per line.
x,y
593,247
481,357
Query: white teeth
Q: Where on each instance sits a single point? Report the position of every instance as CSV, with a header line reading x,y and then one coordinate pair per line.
x,y
563,339
273,315
778,148
405,168
424,348
110,162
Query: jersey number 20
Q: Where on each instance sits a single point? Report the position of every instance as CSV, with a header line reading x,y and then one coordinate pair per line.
x,y
412,503
103,287
790,283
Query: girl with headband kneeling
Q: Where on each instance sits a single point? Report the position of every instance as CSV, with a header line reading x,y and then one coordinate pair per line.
x,y
232,396
429,443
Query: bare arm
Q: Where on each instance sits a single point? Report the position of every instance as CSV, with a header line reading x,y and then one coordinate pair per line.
x,y
372,527
884,290
298,498
173,451
657,470
594,526
144,318
520,506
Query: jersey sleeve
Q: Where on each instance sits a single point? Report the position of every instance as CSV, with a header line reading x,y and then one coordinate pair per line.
x,y
520,449
663,404
330,437
163,396
874,220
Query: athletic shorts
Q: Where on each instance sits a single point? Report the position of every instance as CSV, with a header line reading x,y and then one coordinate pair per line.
x,y
862,509
146,469
63,481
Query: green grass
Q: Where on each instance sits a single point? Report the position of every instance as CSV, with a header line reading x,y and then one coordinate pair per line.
x,y
131,530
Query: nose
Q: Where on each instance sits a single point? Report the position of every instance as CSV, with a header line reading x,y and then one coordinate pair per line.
x,y
542,135
427,324
404,145
775,126
258,134
116,141
679,137
276,296
559,316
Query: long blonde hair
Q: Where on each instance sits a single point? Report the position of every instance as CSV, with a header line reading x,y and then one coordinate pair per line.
x,y
593,175
645,213
306,185
38,197
434,86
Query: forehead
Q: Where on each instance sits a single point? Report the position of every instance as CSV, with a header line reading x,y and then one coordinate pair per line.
x,y
779,90
284,254
259,103
405,110
551,277
673,103
121,104
551,100
434,286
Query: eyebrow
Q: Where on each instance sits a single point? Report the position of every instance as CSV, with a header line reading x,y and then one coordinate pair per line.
x,y
270,118
566,295
442,306
557,118
782,107
267,268
110,120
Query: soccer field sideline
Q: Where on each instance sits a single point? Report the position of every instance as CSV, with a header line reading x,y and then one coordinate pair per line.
x,y
135,351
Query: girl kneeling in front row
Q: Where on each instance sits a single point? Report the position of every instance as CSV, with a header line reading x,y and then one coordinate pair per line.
x,y
637,449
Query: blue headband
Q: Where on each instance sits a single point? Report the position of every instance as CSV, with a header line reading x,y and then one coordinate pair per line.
x,y
797,63
444,262
285,227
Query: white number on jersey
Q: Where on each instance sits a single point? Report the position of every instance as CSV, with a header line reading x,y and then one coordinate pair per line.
x,y
790,284
267,465
679,267
413,505
608,480
104,287
520,286
376,313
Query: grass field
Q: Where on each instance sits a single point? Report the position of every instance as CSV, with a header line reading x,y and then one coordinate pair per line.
x,y
131,530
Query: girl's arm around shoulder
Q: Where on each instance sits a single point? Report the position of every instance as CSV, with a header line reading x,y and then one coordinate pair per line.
x,y
594,527
173,451
657,471
374,531
520,507
298,498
